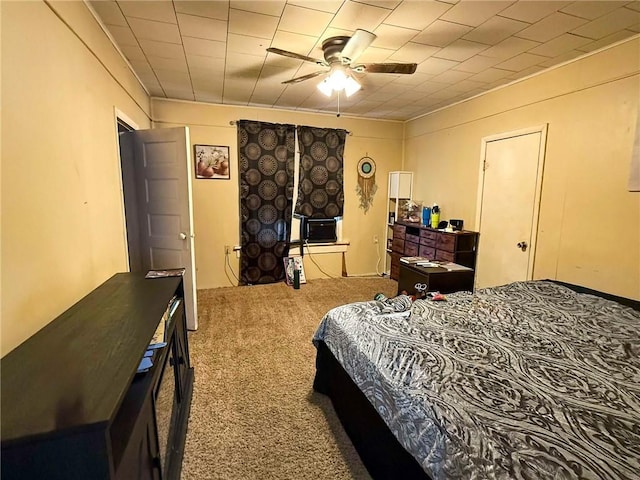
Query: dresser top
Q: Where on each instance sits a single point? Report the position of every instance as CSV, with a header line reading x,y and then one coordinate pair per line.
x,y
74,373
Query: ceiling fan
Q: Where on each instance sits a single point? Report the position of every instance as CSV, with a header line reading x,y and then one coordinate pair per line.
x,y
340,54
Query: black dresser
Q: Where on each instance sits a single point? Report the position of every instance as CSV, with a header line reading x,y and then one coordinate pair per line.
x,y
73,404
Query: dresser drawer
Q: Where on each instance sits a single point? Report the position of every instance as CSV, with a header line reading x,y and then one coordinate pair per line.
x,y
410,249
428,252
428,238
412,238
446,242
399,231
444,256
397,245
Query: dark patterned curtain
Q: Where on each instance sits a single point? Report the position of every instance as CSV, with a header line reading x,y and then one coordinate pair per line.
x,y
320,186
266,163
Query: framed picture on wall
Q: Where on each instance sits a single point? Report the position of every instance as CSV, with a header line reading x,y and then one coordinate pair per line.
x,y
212,162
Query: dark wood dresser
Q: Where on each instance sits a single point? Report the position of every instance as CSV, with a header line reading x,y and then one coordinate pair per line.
x,y
73,404
413,240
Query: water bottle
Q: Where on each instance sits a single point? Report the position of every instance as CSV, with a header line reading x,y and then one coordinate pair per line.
x,y
426,216
435,215
296,279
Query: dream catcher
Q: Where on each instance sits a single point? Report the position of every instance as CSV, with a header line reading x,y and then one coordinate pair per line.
x,y
366,182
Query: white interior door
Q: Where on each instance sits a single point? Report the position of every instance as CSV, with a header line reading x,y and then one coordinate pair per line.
x,y
162,162
508,200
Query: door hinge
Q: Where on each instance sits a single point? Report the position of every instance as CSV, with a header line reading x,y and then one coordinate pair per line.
x,y
485,166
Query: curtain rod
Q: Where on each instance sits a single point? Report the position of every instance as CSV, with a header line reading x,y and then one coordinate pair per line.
x,y
234,122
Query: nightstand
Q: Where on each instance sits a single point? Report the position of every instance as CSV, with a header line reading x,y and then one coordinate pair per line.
x,y
436,279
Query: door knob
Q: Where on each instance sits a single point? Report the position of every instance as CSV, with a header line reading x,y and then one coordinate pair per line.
x,y
522,246
183,236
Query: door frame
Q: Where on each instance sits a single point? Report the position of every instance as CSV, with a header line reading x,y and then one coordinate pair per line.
x,y
542,129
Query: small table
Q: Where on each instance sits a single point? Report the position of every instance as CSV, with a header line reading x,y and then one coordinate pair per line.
x,y
436,279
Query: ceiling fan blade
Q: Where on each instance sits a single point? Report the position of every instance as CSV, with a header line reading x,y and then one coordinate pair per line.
x,y
304,77
297,56
404,68
357,44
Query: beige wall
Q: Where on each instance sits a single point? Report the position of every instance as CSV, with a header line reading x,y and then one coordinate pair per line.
x,y
62,220
216,201
589,226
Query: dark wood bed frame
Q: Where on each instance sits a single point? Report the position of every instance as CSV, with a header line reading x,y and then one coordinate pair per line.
x,y
382,454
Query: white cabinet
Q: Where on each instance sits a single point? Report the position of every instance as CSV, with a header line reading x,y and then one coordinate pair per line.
x,y
400,189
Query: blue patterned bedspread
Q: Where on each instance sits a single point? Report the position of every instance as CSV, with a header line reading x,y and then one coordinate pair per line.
x,y
529,380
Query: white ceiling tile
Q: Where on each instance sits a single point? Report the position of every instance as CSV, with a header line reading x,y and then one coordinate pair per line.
x,y
218,9
213,74
413,53
123,36
180,94
490,75
526,72
358,15
478,63
609,24
133,53
304,20
451,76
429,87
205,63
522,61
245,44
560,45
608,40
142,68
271,7
162,49
158,11
110,13
253,24
173,78
495,30
391,37
590,9
330,6
565,57
155,90
460,50
173,64
509,48
635,5
201,27
206,97
416,15
150,30
532,11
243,61
552,26
205,48
435,66
441,33
474,13
295,42
413,79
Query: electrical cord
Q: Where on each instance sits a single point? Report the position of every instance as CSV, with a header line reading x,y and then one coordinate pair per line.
x,y
226,254
306,242
379,259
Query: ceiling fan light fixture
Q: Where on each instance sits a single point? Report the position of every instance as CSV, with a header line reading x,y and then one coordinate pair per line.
x,y
338,80
351,86
325,87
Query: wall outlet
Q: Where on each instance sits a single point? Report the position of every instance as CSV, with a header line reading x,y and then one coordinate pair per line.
x,y
375,239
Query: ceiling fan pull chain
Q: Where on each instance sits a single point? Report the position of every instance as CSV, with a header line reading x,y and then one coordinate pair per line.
x,y
338,115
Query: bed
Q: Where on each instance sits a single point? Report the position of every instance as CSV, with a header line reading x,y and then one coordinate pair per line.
x,y
531,380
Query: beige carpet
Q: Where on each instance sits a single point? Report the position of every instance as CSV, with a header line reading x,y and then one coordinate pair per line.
x,y
254,413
